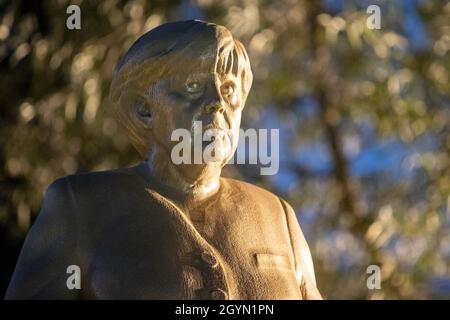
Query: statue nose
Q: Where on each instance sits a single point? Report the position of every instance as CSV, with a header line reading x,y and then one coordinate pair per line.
x,y
214,99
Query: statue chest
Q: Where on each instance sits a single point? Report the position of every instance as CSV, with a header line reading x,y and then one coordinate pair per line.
x,y
160,254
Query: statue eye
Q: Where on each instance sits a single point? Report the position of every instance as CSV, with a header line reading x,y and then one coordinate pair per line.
x,y
194,87
142,109
227,89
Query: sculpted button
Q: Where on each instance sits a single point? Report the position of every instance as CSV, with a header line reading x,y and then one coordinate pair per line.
x,y
218,294
209,258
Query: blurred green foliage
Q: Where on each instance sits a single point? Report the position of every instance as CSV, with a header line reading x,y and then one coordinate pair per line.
x,y
370,107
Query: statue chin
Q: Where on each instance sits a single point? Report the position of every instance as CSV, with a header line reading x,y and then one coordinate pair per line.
x,y
218,151
199,174
215,155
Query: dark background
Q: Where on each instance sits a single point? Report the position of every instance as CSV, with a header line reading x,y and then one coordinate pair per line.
x,y
363,116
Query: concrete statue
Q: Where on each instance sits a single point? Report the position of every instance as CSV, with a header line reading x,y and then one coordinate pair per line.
x,y
160,230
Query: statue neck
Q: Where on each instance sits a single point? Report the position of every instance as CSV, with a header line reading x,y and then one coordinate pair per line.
x,y
183,183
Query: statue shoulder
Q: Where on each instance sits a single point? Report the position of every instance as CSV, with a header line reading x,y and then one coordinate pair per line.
x,y
96,184
101,179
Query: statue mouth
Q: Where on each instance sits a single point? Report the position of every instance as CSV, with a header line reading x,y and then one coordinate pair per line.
x,y
212,126
213,141
212,133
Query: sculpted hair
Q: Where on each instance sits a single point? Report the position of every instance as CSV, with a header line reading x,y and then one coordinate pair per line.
x,y
165,51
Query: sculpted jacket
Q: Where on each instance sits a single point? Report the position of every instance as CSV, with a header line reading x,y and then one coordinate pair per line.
x,y
130,242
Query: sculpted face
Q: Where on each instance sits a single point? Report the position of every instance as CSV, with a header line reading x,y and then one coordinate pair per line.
x,y
193,72
185,99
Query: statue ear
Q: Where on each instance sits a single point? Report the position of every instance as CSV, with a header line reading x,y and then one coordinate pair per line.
x,y
143,111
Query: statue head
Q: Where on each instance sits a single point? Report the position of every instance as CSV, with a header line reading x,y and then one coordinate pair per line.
x,y
174,76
